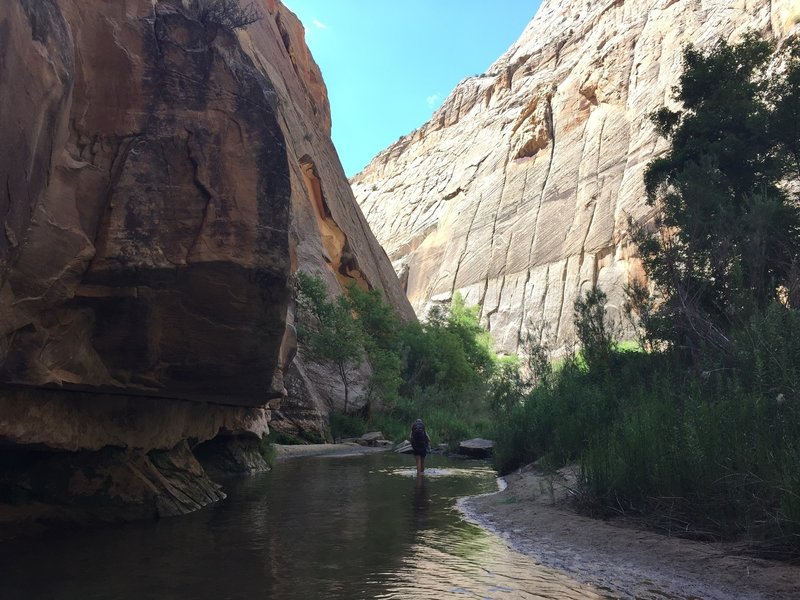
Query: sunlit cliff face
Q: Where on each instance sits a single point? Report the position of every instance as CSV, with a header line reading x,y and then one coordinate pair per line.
x,y
517,192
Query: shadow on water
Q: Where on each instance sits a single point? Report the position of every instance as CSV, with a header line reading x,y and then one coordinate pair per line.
x,y
360,527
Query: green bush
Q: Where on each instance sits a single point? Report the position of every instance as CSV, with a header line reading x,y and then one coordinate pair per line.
x,y
267,450
595,331
283,439
441,370
311,437
713,453
346,426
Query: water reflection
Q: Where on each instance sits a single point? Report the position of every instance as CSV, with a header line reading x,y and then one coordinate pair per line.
x,y
313,528
421,503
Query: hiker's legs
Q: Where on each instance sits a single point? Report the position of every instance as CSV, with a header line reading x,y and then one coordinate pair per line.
x,y
420,463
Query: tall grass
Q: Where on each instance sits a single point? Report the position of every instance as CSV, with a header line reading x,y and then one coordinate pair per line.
x,y
449,416
714,452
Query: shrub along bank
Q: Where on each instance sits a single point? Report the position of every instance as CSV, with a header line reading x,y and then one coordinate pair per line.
x,y
440,370
710,451
700,433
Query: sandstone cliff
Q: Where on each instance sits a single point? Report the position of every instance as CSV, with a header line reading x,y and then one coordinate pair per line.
x,y
517,191
163,174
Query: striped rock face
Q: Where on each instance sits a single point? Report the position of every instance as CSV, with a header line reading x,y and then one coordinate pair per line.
x,y
518,191
162,178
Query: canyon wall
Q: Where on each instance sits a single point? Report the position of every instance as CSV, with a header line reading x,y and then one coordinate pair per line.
x,y
518,190
164,173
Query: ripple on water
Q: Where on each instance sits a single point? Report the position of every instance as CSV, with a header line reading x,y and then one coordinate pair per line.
x,y
460,560
431,572
474,472
352,529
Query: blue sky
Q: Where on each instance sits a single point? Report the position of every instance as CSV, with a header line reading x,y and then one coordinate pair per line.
x,y
389,65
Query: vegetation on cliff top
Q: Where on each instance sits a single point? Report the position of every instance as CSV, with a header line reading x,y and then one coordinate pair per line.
x,y
231,14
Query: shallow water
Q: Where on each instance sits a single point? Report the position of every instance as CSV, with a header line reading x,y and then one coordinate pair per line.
x,y
325,527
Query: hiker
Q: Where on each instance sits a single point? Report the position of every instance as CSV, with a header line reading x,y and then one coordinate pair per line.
x,y
419,444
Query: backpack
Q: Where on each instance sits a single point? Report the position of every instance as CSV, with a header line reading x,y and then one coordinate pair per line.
x,y
419,439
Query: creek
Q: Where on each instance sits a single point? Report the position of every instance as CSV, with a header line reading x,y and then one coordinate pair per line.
x,y
323,527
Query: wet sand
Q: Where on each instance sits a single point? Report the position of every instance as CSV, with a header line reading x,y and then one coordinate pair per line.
x,y
534,516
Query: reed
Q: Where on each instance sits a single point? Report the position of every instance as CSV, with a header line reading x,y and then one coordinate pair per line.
x,y
711,452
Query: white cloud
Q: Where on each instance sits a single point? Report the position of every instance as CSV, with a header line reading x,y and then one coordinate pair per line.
x,y
433,100
319,24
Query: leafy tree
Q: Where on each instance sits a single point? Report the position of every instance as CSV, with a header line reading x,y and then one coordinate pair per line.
x,y
508,387
329,329
442,369
449,350
433,356
381,344
463,321
595,331
726,239
377,318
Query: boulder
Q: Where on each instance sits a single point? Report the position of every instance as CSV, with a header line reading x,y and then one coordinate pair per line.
x,y
372,437
109,484
476,448
231,454
404,447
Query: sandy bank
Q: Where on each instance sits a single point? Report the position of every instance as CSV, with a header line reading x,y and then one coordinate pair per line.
x,y
533,515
